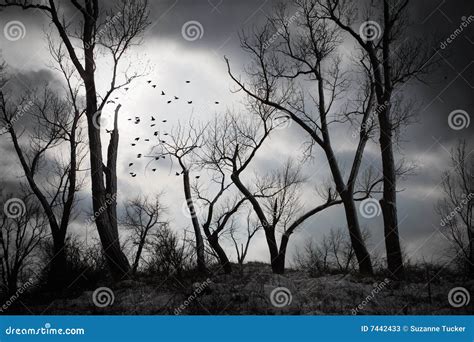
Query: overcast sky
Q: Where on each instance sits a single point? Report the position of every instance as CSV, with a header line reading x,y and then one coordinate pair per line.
x,y
171,60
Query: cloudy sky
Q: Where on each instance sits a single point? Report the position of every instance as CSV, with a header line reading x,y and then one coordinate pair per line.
x,y
170,59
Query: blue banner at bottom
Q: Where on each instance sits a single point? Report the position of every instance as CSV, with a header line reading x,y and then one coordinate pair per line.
x,y
237,328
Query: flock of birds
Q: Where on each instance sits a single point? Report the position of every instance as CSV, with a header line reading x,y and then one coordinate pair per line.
x,y
137,120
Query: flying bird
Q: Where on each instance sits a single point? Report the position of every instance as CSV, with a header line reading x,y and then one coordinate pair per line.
x,y
188,81
176,98
152,118
163,120
177,173
163,93
130,164
189,102
139,155
169,101
154,85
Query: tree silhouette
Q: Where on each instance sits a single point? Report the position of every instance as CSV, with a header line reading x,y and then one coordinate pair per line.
x,y
308,53
22,231
56,125
112,32
143,217
456,208
393,57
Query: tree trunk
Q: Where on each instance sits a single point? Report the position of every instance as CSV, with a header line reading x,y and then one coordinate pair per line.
x,y
273,248
201,263
223,259
357,241
388,203
13,283
137,258
347,197
58,272
116,259
278,264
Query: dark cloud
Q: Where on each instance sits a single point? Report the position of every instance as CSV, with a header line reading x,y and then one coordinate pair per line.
x,y
426,143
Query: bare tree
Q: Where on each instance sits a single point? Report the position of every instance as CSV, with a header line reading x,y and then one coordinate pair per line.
x,y
218,218
181,146
456,208
393,56
274,197
241,249
333,253
218,209
23,228
169,253
52,178
143,217
278,76
111,32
